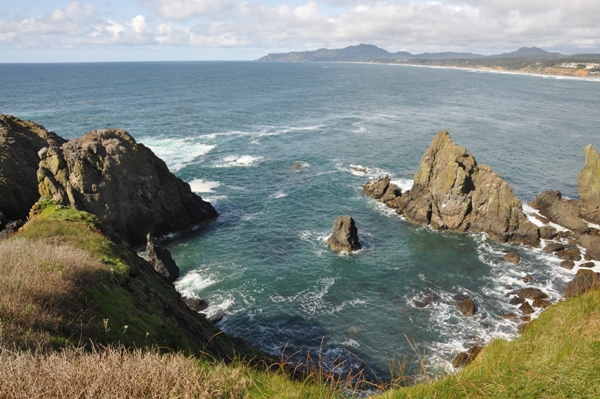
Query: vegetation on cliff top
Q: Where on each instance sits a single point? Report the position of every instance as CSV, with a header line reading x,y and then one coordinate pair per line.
x,y
68,290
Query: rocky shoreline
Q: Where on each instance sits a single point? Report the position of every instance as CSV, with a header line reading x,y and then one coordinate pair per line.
x,y
452,192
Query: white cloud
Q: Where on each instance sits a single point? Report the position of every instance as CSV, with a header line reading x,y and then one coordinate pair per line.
x,y
413,25
181,9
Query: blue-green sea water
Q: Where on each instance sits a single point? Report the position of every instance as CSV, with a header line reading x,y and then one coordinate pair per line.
x,y
273,147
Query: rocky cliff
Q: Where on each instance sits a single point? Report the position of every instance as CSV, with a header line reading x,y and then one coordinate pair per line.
x,y
108,174
20,142
452,192
589,186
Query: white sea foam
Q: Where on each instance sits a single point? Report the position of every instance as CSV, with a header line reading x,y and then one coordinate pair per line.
x,y
278,194
404,184
194,282
203,186
177,153
242,161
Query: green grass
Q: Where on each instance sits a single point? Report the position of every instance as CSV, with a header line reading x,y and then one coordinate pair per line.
x,y
67,282
557,356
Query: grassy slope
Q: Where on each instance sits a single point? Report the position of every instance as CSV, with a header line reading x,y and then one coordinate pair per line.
x,y
62,277
557,356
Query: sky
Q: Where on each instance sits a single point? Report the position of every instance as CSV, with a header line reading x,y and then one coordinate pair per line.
x,y
163,30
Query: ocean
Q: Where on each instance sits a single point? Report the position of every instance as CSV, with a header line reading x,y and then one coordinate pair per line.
x,y
281,149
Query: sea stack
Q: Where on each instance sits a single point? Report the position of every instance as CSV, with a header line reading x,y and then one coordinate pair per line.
x,y
344,236
452,192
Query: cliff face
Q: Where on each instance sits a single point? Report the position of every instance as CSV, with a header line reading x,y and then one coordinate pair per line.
x,y
108,174
452,192
589,186
20,142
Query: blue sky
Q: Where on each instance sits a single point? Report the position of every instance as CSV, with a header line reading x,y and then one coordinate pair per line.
x,y
136,30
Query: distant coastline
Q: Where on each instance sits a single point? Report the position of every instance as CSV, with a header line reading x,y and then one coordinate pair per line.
x,y
526,60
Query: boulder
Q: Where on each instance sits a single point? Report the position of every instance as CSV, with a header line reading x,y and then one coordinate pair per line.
x,y
11,228
452,192
587,264
391,193
161,260
197,305
123,183
526,308
589,186
547,232
465,358
512,257
515,300
508,316
583,282
466,307
567,264
554,246
591,245
573,254
531,293
20,142
344,236
527,279
377,187
559,210
541,303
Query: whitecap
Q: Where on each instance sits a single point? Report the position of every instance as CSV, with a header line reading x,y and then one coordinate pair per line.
x,y
194,282
203,186
278,194
242,161
177,153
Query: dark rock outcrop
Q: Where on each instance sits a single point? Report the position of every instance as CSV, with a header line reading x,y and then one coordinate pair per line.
x,y
465,358
589,186
532,293
592,246
160,259
466,307
197,305
20,142
526,308
384,191
11,228
583,282
344,236
559,210
425,300
452,192
108,174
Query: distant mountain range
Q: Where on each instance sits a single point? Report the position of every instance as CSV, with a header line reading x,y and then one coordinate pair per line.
x,y
369,52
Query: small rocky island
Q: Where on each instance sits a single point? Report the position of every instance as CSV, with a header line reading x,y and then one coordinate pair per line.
x,y
452,192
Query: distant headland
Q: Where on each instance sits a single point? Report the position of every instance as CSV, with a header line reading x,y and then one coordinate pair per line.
x,y
525,60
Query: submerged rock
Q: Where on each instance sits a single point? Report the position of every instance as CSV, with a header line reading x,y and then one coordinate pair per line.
x,y
20,142
589,186
452,192
161,260
344,236
108,174
425,300
512,257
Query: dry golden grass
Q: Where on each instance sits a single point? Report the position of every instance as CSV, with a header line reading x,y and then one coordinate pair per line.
x,y
116,373
41,283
